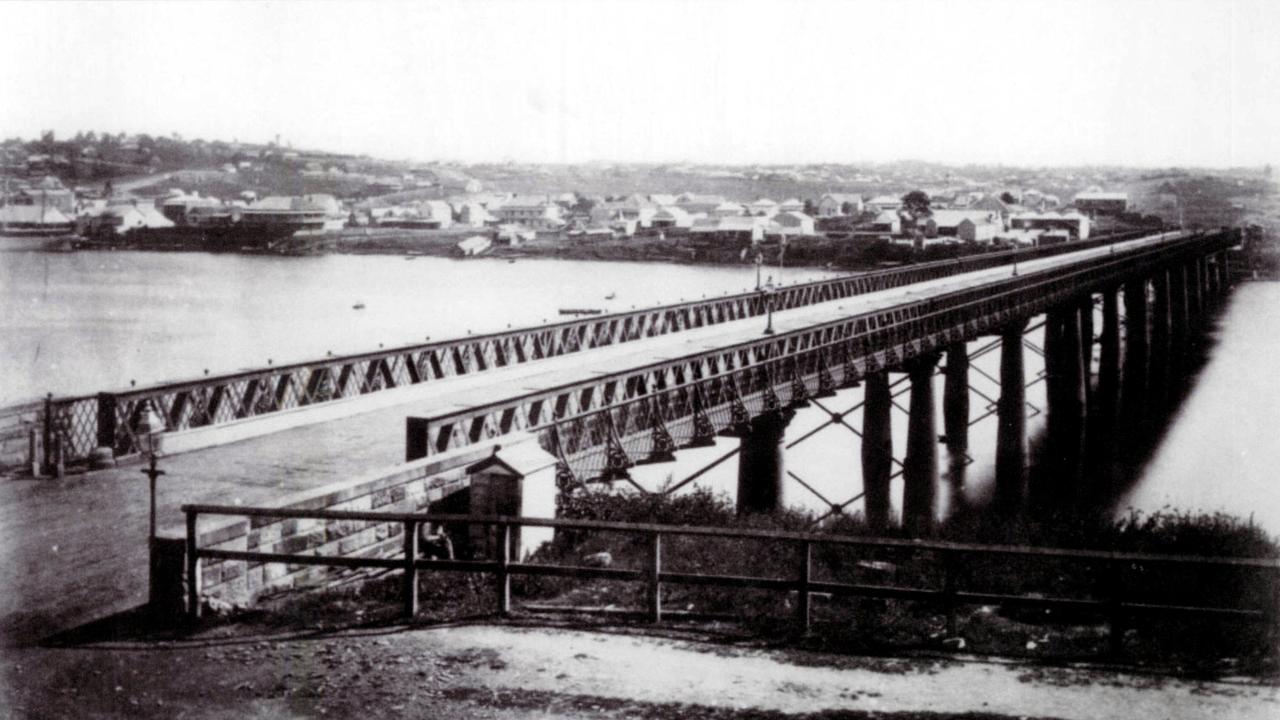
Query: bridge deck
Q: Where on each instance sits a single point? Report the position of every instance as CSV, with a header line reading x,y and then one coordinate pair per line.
x,y
75,549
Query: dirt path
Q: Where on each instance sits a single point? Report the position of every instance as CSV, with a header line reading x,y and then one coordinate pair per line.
x,y
502,671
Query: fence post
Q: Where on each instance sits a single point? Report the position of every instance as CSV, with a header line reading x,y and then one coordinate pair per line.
x,y
949,591
106,436
410,569
1115,637
803,599
193,568
504,563
46,462
654,589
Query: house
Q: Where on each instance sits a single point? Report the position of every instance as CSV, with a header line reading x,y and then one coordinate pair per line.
x,y
49,192
834,204
1073,223
515,235
793,223
727,209
537,213
435,214
791,205
474,214
591,234
695,204
671,216
474,245
1102,203
888,221
122,217
963,225
729,231
1022,238
764,207
335,218
883,203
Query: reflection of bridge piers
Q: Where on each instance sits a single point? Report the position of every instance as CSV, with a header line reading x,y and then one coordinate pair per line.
x,y
1112,354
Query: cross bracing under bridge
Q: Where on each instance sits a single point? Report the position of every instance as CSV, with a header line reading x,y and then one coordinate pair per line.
x,y
599,424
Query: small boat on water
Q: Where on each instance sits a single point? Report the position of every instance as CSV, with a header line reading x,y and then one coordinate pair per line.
x,y
581,311
611,295
358,306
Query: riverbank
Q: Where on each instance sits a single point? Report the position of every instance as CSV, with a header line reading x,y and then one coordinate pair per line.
x,y
806,252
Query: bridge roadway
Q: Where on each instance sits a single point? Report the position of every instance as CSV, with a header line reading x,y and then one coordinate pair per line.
x,y
75,550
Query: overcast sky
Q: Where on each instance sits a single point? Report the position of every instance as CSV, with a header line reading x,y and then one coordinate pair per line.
x,y
1194,82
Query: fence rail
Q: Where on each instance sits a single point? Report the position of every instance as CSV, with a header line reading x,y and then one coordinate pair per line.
x,y
1117,607
75,425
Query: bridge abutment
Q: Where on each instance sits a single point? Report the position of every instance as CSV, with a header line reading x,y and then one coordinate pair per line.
x,y
920,467
1011,414
877,448
762,464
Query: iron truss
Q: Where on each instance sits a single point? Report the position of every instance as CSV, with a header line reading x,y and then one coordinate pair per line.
x,y
79,424
602,425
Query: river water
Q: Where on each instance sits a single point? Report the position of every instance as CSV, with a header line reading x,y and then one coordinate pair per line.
x,y
81,322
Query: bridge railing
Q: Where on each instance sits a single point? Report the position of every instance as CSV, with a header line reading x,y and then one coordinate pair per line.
x,y
1114,581
588,423
75,425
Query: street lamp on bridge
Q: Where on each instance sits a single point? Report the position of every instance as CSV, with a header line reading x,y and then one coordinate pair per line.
x,y
148,432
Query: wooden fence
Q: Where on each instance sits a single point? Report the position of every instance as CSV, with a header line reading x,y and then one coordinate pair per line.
x,y
1117,607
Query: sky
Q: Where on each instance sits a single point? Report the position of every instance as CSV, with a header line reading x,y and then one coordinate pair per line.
x,y
1080,82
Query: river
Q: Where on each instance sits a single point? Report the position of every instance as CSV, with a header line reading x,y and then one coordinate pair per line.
x,y
81,322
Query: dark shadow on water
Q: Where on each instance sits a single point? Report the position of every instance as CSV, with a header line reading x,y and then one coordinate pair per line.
x,y
1105,481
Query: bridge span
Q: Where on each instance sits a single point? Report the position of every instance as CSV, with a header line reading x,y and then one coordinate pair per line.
x,y
612,410
669,378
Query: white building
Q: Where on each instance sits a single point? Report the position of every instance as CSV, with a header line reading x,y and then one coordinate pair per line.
x,y
834,204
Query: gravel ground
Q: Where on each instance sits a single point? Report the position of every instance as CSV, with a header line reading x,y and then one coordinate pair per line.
x,y
536,671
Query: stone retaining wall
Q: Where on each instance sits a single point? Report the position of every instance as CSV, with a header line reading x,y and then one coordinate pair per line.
x,y
411,487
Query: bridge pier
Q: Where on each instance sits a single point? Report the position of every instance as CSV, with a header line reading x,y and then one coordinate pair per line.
x,y
1133,392
1195,302
1086,346
761,464
955,417
955,399
877,449
1067,408
1011,415
920,468
1178,319
1160,345
1103,410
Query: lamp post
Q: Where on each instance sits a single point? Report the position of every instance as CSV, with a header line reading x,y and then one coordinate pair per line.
x,y
148,431
769,292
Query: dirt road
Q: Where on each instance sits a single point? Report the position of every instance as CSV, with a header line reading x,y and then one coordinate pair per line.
x,y
504,671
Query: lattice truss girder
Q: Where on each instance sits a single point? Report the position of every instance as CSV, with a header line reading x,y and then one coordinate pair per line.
x,y
722,389
82,423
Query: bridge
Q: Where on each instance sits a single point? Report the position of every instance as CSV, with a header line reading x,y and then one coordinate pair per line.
x,y
607,393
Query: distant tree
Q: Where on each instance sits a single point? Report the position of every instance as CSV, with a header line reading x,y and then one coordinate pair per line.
x,y
1007,198
916,202
810,208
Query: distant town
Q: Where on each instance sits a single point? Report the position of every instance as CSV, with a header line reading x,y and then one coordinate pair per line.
x,y
141,191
